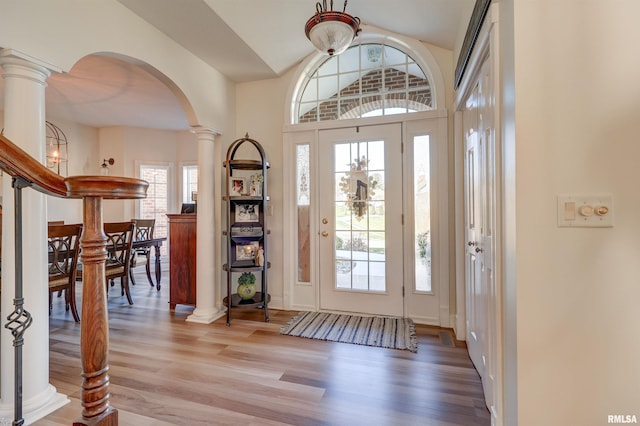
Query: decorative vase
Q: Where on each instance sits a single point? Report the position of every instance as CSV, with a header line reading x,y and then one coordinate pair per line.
x,y
246,291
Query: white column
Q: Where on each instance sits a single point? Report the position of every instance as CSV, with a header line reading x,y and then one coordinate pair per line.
x,y
24,123
207,230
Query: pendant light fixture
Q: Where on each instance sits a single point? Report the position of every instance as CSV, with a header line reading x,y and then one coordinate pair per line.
x,y
56,149
330,31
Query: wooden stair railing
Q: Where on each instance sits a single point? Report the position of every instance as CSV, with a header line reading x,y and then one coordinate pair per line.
x,y
94,331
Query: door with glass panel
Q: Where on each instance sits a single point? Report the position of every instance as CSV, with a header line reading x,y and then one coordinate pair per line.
x,y
360,213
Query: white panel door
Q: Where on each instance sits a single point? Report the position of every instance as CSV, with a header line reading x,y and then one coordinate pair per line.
x,y
473,228
360,242
480,223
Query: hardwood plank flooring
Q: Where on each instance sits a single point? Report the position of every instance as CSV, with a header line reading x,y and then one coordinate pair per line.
x,y
165,371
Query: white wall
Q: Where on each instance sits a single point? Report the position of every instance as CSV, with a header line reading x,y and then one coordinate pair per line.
x,y
129,146
260,113
577,117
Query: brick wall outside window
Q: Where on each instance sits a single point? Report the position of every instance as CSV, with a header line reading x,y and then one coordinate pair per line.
x,y
400,90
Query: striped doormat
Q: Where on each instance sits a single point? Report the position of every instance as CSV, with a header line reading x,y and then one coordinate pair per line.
x,y
384,332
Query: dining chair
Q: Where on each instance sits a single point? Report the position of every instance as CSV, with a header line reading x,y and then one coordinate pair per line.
x,y
63,253
142,256
119,241
56,222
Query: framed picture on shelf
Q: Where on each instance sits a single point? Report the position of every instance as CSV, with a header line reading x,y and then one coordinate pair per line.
x,y
237,186
247,251
255,185
247,213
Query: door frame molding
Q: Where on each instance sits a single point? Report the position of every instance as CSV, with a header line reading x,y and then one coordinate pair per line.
x,y
305,296
487,46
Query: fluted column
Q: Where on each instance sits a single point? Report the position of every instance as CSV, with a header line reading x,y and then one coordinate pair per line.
x,y
208,229
24,122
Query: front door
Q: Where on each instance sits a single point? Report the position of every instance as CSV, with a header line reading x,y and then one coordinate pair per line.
x,y
360,244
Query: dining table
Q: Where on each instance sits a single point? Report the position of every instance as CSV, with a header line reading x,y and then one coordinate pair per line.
x,y
156,243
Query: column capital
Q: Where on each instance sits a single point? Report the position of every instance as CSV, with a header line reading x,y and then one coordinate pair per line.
x,y
18,64
205,132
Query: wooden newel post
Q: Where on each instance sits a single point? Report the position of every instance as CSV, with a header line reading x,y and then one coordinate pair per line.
x,y
94,331
94,340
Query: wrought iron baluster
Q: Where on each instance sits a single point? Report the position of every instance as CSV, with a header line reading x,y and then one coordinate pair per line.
x,y
19,320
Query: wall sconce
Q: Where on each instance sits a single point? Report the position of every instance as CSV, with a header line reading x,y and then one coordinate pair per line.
x,y
104,168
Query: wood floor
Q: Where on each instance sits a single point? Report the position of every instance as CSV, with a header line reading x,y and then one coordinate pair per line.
x,y
165,371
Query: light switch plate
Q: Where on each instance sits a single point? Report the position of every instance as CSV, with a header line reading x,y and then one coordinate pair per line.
x,y
585,211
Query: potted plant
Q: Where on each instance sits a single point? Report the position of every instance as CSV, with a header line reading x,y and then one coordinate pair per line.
x,y
247,285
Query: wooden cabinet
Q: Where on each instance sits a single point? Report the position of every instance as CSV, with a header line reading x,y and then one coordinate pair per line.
x,y
246,199
182,259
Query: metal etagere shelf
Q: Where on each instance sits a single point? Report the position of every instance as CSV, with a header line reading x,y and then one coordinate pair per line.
x,y
246,228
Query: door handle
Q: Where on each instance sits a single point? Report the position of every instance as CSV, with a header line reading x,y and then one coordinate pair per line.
x,y
471,243
324,220
324,234
479,250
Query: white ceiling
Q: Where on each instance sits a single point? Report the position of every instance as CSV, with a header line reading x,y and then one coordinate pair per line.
x,y
244,39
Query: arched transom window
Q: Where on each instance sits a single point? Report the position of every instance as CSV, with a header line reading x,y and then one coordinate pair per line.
x,y
365,80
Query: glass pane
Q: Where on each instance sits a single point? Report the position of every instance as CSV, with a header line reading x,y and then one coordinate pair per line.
x,y
420,100
395,103
349,60
395,79
359,261
416,76
359,221
344,264
349,84
364,71
155,206
327,87
330,66
189,183
302,174
376,186
376,241
343,217
308,112
304,224
329,110
371,56
422,212
371,104
377,274
349,108
371,81
342,157
376,156
310,92
393,56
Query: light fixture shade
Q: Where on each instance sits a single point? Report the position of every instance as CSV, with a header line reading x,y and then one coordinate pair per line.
x,y
332,32
56,149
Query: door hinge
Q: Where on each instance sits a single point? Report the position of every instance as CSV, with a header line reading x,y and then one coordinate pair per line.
x,y
401,147
402,291
402,218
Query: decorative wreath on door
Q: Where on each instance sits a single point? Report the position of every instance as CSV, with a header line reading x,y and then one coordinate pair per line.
x,y
359,187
